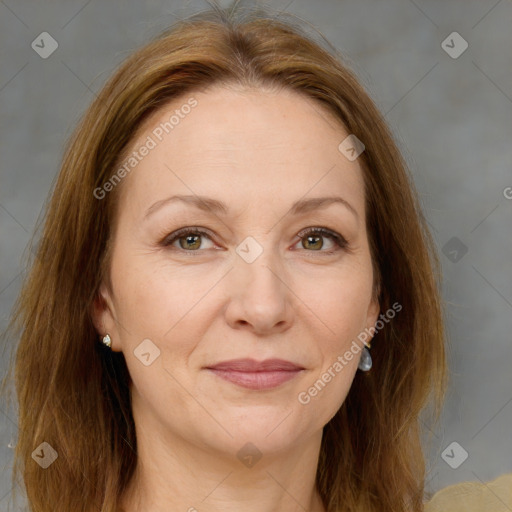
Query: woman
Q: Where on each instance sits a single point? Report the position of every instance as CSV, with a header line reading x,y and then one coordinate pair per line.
x,y
233,228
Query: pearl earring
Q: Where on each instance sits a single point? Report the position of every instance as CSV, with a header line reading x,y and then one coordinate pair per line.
x,y
365,363
106,341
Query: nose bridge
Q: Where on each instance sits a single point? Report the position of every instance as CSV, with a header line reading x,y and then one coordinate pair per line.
x,y
257,264
260,297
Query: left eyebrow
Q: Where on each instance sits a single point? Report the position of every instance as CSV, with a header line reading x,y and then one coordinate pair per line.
x,y
316,203
209,204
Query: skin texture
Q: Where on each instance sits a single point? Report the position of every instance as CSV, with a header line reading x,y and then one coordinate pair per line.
x,y
258,151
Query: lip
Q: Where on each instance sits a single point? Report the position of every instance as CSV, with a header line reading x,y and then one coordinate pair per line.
x,y
251,365
258,375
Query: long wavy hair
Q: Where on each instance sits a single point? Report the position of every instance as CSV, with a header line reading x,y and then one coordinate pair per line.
x,y
73,393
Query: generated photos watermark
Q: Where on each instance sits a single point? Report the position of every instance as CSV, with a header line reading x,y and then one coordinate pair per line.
x,y
304,397
151,142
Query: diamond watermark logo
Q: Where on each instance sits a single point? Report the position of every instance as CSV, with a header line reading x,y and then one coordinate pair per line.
x,y
249,455
351,147
147,352
454,249
249,249
44,45
454,455
45,455
454,45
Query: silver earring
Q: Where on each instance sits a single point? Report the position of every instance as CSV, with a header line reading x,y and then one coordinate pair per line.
x,y
106,341
365,363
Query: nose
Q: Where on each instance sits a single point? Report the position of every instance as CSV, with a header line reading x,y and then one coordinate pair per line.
x,y
259,298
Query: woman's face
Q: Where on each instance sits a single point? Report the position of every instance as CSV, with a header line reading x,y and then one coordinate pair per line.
x,y
255,286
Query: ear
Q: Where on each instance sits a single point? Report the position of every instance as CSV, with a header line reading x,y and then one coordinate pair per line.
x,y
104,317
372,314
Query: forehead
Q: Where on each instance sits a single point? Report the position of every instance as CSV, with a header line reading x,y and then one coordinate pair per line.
x,y
241,145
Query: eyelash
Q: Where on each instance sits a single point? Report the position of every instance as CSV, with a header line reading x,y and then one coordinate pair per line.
x,y
335,237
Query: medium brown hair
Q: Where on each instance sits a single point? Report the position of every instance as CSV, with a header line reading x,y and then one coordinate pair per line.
x,y
73,393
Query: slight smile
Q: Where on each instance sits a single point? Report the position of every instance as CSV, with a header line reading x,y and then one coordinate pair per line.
x,y
251,374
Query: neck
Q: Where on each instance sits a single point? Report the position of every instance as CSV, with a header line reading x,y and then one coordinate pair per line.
x,y
173,474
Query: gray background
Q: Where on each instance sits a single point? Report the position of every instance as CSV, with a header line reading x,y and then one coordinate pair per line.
x,y
452,119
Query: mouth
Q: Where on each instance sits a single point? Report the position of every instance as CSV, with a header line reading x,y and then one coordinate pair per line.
x,y
251,374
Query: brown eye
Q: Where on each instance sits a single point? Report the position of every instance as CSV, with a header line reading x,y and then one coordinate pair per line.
x,y
312,239
189,239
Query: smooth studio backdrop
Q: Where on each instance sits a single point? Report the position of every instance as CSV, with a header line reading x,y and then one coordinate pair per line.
x,y
440,71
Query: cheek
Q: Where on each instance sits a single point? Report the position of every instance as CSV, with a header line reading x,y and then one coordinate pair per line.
x,y
152,296
342,308
340,302
165,304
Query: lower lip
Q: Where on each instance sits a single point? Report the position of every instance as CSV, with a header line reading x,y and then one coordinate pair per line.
x,y
256,380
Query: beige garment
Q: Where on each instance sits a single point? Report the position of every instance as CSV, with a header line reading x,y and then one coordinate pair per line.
x,y
494,496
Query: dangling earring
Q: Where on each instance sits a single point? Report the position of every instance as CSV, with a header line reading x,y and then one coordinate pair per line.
x,y
106,341
365,363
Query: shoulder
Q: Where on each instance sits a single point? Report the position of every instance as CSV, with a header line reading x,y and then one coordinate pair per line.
x,y
494,496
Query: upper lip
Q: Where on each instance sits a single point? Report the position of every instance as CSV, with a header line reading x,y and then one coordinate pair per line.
x,y
251,365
